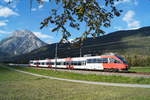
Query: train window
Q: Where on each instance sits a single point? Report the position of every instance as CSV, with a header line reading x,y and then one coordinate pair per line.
x,y
94,61
75,63
99,60
105,60
66,63
72,63
122,59
42,63
61,63
50,63
117,61
89,60
79,62
36,63
58,63
112,60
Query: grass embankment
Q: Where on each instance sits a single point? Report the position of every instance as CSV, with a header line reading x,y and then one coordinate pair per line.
x,y
87,77
19,86
140,69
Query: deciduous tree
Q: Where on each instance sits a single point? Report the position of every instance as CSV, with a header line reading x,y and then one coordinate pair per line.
x,y
94,13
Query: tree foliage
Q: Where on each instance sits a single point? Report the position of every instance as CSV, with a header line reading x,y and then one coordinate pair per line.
x,y
94,13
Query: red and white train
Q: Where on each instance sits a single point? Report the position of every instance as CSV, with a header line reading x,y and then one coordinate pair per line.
x,y
104,62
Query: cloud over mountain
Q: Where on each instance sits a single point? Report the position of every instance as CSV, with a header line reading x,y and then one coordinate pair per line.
x,y
6,12
130,20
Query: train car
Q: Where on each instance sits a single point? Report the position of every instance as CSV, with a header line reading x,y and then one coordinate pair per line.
x,y
104,62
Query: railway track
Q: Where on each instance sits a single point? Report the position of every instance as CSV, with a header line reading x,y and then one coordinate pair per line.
x,y
96,72
126,74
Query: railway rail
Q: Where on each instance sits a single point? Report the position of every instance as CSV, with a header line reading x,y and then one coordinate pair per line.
x,y
96,72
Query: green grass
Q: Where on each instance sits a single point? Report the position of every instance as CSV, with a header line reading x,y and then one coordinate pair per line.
x,y
140,69
19,86
87,77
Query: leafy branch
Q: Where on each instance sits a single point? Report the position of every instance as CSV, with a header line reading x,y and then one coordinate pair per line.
x,y
95,13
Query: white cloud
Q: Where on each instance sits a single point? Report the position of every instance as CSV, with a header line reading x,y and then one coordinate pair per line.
x,y
33,9
4,32
45,0
40,6
129,19
134,24
129,16
41,35
134,2
7,1
122,1
118,28
3,23
6,12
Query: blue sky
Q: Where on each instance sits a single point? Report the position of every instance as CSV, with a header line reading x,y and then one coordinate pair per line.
x,y
18,16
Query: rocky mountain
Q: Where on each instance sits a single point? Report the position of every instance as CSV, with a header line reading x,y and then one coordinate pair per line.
x,y
21,42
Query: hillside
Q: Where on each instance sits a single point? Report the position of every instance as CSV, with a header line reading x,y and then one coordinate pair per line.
x,y
127,43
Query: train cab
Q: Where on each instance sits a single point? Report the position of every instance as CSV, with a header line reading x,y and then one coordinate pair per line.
x,y
115,63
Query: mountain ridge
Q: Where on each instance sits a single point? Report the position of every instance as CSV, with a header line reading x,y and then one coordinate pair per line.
x,y
126,43
133,44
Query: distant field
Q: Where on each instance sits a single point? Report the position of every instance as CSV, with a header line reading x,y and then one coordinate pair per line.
x,y
18,86
140,69
87,77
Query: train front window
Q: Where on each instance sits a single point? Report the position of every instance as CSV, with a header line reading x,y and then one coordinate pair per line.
x,y
112,60
122,59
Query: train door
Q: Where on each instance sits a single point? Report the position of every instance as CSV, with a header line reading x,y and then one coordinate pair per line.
x,y
68,63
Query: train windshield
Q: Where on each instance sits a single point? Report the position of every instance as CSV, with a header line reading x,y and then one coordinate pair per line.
x,y
123,59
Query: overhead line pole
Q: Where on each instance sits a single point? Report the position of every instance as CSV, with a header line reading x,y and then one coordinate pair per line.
x,y
56,55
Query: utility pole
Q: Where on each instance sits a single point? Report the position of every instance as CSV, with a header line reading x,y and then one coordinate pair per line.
x,y
80,52
81,49
56,55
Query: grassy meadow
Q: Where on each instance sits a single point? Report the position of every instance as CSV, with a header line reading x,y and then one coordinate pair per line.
x,y
19,86
87,77
140,69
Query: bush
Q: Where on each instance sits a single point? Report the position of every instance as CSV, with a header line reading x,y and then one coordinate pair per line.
x,y
138,60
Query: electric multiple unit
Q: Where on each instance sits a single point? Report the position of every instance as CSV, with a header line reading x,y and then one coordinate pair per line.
x,y
105,62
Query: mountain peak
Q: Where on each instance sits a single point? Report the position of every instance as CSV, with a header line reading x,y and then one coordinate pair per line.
x,y
21,41
22,33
